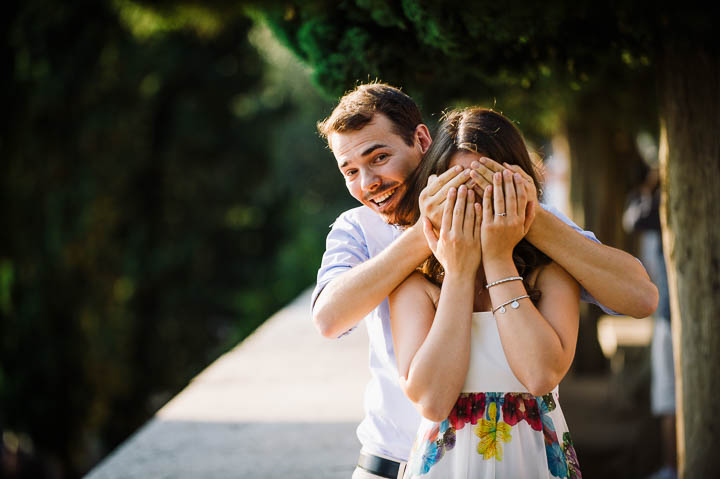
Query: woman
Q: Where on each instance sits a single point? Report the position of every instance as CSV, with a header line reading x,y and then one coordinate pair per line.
x,y
486,330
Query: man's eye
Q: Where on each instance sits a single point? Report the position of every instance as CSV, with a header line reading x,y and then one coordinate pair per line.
x,y
350,172
380,158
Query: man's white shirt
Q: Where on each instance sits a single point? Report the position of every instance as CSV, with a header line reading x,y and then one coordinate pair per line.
x,y
391,420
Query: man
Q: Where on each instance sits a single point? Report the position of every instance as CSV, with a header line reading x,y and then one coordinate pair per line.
x,y
377,137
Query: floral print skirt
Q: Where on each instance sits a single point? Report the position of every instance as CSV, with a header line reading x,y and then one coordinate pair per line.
x,y
496,435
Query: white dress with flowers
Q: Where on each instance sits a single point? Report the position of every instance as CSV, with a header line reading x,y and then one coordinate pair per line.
x,y
496,429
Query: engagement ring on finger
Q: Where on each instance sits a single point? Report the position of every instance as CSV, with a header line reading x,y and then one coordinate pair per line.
x,y
500,214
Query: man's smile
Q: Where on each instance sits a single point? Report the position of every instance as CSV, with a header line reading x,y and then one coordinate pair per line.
x,y
382,198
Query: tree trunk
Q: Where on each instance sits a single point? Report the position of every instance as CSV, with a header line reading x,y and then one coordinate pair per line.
x,y
689,76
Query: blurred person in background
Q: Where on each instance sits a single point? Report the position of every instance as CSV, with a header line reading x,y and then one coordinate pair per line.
x,y
642,217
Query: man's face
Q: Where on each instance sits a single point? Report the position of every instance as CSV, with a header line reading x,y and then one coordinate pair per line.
x,y
375,162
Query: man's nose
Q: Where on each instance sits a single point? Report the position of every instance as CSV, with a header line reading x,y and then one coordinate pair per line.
x,y
370,181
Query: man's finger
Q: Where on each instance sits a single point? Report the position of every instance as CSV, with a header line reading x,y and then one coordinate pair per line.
x,y
529,216
483,170
453,182
518,170
490,164
430,235
435,183
479,182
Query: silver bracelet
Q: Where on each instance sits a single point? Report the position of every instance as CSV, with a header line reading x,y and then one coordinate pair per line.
x,y
513,304
504,280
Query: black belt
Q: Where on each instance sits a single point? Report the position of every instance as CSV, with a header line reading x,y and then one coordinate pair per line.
x,y
379,466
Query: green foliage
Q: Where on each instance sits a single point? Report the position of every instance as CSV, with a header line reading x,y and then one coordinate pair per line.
x,y
534,55
156,208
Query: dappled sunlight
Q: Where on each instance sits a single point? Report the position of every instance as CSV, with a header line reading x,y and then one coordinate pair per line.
x,y
615,332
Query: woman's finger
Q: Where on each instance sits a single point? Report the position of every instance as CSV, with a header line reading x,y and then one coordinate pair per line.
x,y
469,222
459,210
487,204
521,195
478,220
498,200
510,194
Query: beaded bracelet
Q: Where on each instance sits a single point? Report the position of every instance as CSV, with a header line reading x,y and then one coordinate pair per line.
x,y
504,280
513,304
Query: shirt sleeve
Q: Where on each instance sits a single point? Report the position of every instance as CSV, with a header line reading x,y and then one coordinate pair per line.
x,y
584,295
345,248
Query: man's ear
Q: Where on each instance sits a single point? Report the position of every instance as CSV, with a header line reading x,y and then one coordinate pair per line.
x,y
422,137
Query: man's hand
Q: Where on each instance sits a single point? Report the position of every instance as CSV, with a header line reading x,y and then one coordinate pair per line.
x,y
433,196
482,174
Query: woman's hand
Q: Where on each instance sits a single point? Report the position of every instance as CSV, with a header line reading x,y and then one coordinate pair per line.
x,y
505,221
458,247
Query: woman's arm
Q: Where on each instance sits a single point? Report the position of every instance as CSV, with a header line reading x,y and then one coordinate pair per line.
x,y
432,347
539,342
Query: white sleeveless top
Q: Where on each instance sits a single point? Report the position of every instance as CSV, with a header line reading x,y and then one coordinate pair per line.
x,y
488,369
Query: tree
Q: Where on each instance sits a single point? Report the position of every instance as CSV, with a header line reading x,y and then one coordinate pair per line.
x,y
444,52
151,215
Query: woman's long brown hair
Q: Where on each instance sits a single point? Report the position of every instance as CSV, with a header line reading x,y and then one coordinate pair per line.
x,y
492,135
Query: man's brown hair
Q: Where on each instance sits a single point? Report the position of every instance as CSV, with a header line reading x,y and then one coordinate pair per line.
x,y
358,107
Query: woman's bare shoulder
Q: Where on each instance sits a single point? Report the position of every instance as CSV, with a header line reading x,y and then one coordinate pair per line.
x,y
418,284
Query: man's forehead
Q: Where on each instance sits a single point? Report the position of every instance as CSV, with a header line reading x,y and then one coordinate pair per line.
x,y
354,144
347,148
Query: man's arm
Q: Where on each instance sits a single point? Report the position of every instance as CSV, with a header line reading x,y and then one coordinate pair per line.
x,y
349,297
366,282
613,277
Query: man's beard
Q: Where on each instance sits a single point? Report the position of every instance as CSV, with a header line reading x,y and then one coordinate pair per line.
x,y
398,192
